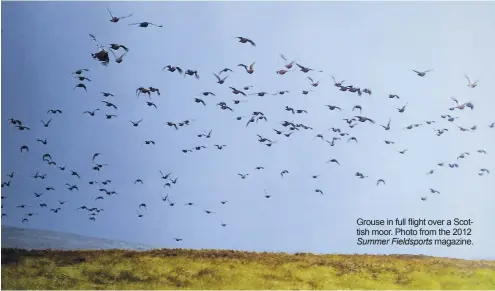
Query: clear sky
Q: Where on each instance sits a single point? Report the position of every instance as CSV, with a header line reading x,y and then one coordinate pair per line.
x,y
370,45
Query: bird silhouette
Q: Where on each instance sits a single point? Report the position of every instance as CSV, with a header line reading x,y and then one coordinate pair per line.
x,y
115,19
249,69
220,80
245,40
136,123
145,24
421,73
470,83
91,113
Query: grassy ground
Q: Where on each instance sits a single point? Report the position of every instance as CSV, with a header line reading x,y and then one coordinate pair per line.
x,y
223,269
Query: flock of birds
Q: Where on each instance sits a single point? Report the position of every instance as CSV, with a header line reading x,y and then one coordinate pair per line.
x,y
103,55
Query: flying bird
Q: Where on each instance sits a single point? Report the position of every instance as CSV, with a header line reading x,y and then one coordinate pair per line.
x,y
151,104
136,123
402,109
74,173
24,148
313,83
81,85
225,71
249,69
91,113
79,72
288,65
319,191
283,71
245,40
197,100
42,141
364,119
115,19
421,73
106,94
220,80
191,73
357,107
470,83
306,69
82,78
172,69
145,24
109,104
54,111
388,125
236,91
95,155
434,191
243,176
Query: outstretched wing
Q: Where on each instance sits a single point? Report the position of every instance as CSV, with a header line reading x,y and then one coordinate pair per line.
x,y
114,55
469,80
95,40
122,17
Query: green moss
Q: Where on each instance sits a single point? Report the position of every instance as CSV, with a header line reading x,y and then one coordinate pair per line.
x,y
224,269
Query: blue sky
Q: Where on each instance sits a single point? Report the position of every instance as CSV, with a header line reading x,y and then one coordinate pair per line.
x,y
370,45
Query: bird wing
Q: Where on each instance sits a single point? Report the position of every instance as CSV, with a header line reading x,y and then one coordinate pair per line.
x,y
469,80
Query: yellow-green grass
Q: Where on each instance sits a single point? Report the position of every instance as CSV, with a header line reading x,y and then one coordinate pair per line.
x,y
224,269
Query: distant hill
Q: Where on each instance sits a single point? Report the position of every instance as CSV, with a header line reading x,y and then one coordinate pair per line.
x,y
36,239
